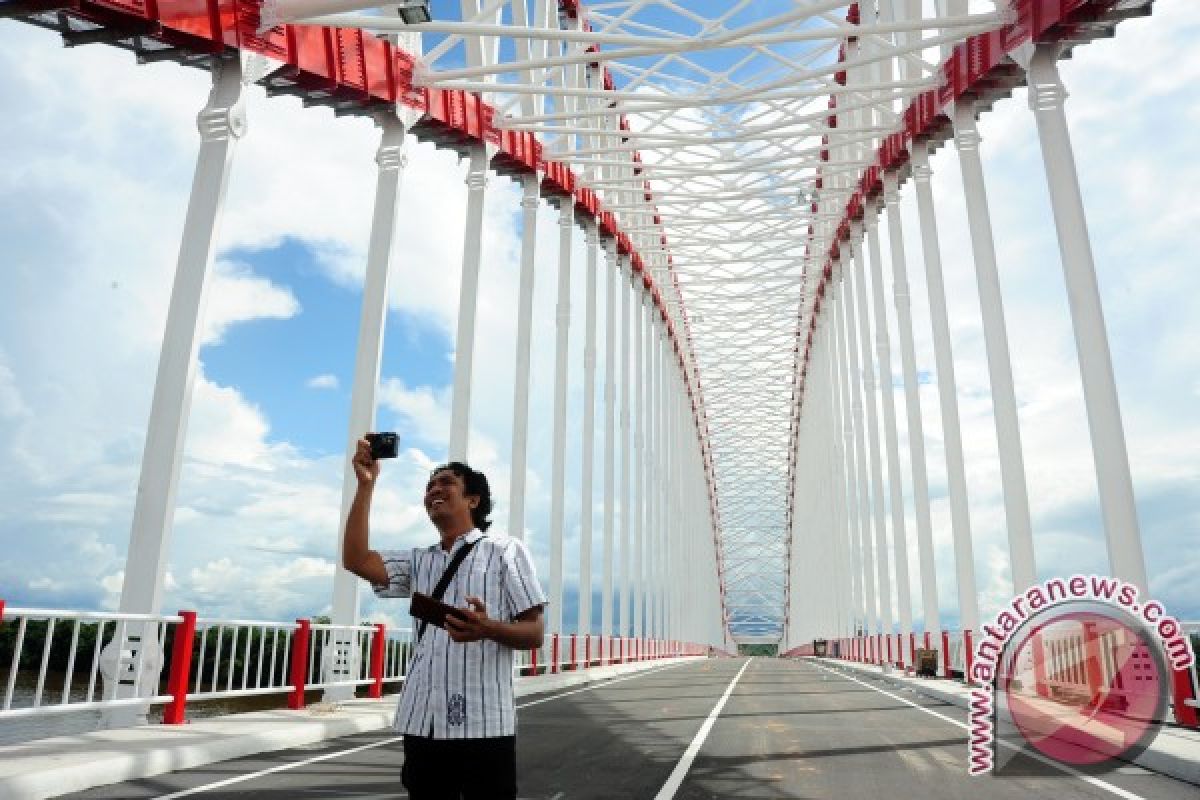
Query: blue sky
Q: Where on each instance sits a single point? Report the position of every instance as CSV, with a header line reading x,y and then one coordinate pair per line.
x,y
89,229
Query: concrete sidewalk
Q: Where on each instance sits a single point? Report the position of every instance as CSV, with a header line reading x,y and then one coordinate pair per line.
x,y
64,764
1175,752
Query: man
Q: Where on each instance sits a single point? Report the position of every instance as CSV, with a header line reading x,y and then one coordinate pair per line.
x,y
456,710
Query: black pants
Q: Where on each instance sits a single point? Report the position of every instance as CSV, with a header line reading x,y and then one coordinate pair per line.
x,y
460,769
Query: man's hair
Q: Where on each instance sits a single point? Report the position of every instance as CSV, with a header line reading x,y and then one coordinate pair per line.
x,y
474,483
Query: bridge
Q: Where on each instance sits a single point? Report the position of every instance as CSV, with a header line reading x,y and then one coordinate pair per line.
x,y
760,208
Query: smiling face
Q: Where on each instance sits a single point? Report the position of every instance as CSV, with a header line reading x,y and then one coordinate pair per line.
x,y
447,504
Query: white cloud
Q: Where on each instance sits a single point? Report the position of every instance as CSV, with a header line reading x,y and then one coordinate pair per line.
x,y
238,295
325,381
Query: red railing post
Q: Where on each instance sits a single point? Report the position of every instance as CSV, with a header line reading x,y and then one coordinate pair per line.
x,y
912,647
533,667
1183,691
554,653
587,650
299,664
968,655
181,666
1041,682
377,651
574,655
946,663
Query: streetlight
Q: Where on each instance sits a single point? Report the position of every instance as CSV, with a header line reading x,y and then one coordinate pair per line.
x,y
414,12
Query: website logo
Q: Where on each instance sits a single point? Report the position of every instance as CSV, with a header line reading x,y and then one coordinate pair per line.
x,y
1075,670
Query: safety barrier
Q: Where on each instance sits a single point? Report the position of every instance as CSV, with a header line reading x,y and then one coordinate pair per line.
x,y
113,660
1072,663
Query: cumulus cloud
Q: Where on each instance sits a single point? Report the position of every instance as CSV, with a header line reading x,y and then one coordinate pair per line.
x,y
325,381
238,295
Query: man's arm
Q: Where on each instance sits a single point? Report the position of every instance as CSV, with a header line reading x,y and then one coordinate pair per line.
x,y
523,633
357,557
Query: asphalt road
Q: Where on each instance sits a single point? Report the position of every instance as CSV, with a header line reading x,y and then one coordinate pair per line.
x,y
788,729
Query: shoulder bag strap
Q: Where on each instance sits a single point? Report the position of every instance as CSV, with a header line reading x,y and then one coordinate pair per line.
x,y
447,576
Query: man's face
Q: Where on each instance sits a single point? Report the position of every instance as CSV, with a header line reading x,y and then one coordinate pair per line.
x,y
445,501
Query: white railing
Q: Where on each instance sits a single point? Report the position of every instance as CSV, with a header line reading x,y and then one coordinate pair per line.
x,y
95,661
265,645
1064,668
53,692
116,660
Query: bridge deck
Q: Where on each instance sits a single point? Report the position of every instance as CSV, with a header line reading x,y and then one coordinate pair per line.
x,y
788,730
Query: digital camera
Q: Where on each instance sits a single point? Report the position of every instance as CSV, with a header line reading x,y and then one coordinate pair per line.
x,y
383,445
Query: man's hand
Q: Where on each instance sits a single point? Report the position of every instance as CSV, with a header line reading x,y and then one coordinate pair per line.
x,y
366,469
473,625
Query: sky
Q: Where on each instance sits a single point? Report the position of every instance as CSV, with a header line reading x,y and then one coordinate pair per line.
x,y
97,166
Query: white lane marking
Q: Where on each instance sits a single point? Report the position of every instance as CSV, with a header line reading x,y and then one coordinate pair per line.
x,y
600,685
1118,791
280,768
681,769
293,764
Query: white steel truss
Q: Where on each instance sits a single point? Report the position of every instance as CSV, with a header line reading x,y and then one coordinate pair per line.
x,y
726,141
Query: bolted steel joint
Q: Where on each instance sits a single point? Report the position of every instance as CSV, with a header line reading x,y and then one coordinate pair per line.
x,y
477,181
391,158
967,139
221,123
1047,97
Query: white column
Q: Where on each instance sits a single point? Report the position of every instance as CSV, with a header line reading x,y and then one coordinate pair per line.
x,y
1004,400
566,222
848,342
612,285
842,445
857,287
960,519
626,589
662,486
1046,98
912,404
639,457
221,122
586,514
530,199
657,505
132,661
888,398
391,160
464,347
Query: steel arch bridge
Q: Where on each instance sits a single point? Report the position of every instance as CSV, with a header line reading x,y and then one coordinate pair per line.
x,y
733,164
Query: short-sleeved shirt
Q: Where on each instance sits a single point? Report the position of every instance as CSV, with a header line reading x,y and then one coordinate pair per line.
x,y
459,690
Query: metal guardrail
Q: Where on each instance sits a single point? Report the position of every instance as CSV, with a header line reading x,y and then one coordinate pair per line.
x,y
97,661
1067,667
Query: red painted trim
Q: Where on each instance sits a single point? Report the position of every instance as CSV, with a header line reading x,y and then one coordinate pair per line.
x,y
299,664
377,652
969,654
181,666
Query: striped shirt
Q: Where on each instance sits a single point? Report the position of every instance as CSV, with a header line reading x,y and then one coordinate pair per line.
x,y
459,690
